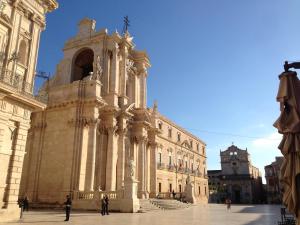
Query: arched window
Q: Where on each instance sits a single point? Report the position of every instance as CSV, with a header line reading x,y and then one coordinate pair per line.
x,y
23,52
83,64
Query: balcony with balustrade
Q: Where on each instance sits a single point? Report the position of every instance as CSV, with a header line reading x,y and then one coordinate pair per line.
x,y
15,86
15,82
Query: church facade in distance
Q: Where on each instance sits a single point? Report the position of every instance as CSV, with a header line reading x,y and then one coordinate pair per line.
x,y
97,120
238,179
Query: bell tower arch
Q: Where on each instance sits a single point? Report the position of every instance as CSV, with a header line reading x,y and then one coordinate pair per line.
x,y
82,65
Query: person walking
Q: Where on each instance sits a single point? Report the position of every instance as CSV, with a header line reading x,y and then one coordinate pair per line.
x,y
106,205
25,204
21,206
103,205
68,205
228,203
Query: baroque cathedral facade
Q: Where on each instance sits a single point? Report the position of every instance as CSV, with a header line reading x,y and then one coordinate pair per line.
x,y
96,121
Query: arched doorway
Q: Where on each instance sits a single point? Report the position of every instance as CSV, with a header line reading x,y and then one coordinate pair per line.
x,y
82,64
236,191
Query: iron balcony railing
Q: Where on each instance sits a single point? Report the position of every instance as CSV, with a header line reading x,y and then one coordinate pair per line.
x,y
15,81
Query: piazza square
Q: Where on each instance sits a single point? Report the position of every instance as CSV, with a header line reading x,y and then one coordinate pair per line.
x,y
212,214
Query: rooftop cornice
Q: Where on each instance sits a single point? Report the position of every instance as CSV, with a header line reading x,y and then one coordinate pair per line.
x,y
51,4
161,117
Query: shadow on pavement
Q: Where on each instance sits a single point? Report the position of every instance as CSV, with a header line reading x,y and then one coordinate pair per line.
x,y
263,220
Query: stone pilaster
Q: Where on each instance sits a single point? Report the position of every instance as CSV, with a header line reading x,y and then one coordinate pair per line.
x,y
91,155
111,161
114,77
121,159
153,170
142,145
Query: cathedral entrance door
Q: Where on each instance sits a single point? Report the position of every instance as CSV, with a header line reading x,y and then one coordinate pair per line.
x,y
237,196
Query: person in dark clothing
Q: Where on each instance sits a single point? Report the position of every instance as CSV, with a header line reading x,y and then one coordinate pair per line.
x,y
106,204
103,205
174,194
68,205
21,206
25,204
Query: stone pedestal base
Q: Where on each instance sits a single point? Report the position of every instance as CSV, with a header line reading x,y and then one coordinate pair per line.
x,y
130,203
10,214
190,194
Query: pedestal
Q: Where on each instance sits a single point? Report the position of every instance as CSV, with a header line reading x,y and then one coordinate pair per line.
x,y
130,203
189,193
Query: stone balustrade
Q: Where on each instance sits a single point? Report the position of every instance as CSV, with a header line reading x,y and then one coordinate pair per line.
x,y
89,195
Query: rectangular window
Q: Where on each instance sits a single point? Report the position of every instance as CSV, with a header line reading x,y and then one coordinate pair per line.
x,y
192,167
170,160
186,165
159,187
178,136
191,143
169,132
179,187
199,189
159,157
205,190
197,147
170,186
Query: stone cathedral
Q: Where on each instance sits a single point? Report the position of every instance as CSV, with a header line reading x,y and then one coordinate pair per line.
x,y
96,120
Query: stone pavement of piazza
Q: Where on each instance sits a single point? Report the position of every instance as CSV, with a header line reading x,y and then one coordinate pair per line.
x,y
211,214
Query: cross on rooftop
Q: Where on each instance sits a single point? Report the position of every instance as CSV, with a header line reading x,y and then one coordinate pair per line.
x,y
126,24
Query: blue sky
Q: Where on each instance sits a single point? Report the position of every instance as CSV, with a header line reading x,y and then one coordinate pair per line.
x,y
215,64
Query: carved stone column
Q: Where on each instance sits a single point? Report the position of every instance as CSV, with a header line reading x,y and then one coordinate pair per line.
x,y
153,175
91,155
142,86
114,77
121,158
142,193
111,162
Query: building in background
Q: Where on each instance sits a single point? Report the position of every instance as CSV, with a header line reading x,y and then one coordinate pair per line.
x,y
238,179
273,186
21,24
96,121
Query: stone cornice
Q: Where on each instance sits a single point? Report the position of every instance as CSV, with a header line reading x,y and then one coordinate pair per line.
x,y
97,102
49,4
27,100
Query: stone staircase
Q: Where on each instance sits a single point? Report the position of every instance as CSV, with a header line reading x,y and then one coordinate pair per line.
x,y
146,205
169,204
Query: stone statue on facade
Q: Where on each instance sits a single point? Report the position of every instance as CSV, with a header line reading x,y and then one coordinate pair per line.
x,y
130,169
188,179
99,71
129,65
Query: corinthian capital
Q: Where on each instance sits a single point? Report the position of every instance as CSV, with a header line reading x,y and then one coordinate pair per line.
x,y
142,139
112,130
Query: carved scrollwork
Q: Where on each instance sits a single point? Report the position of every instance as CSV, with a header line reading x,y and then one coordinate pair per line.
x,y
83,121
130,65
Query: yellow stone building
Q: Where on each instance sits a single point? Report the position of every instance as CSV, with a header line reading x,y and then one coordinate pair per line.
x,y
21,23
96,122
